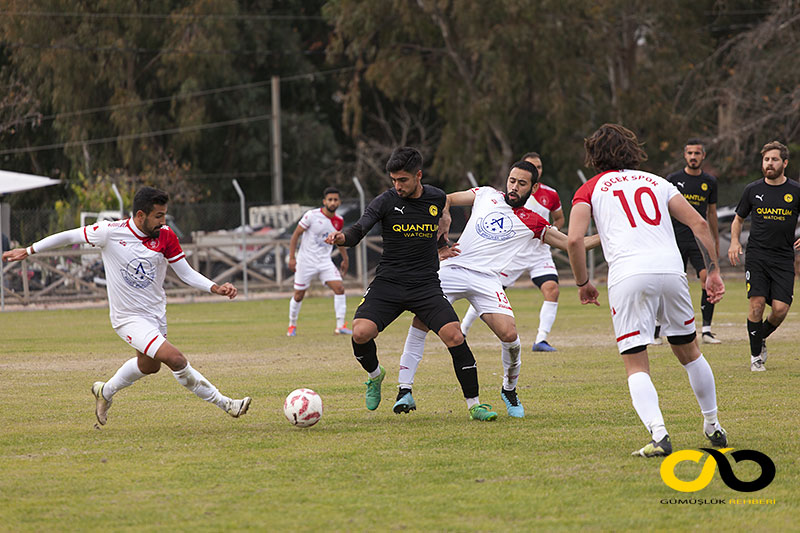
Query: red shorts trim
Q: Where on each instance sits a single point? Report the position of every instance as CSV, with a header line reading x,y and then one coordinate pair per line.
x,y
688,321
149,344
631,334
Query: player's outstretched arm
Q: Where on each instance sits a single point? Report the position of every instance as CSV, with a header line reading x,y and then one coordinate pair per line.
x,y
293,246
345,260
195,279
556,239
576,248
735,249
57,240
337,238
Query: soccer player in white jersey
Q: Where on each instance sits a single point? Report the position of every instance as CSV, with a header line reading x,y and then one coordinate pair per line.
x,y
646,278
535,259
135,254
500,226
314,259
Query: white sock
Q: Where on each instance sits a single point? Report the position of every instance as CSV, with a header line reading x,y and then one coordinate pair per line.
x,y
701,378
547,315
294,310
472,402
195,382
127,374
706,329
412,355
645,402
512,362
375,373
339,308
469,318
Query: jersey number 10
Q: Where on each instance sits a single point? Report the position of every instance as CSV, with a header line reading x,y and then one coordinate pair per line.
x,y
637,199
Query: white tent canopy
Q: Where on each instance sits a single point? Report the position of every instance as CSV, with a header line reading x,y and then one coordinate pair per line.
x,y
17,182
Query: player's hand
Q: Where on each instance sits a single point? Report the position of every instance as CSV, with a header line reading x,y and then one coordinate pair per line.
x,y
735,251
292,264
715,288
797,244
446,252
17,254
226,289
588,294
337,238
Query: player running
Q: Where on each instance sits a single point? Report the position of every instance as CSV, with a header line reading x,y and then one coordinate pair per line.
x,y
499,227
135,254
773,203
314,259
646,278
406,278
535,259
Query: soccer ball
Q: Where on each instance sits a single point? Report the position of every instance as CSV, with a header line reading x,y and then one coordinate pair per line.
x,y
303,407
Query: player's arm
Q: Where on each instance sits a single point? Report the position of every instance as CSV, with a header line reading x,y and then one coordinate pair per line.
x,y
460,198
345,260
713,224
293,246
579,219
558,218
353,235
683,212
735,249
57,240
556,239
195,279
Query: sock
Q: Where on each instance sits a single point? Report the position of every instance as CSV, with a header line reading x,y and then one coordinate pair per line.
x,y
195,382
339,308
707,310
412,355
512,363
367,355
294,310
701,378
469,318
756,338
767,328
472,402
466,371
127,374
547,315
657,332
645,402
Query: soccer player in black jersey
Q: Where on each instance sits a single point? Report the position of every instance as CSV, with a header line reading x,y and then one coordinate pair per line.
x,y
700,190
773,203
407,277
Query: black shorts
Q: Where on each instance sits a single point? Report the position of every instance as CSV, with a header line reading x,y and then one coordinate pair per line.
x,y
772,278
690,253
539,280
385,301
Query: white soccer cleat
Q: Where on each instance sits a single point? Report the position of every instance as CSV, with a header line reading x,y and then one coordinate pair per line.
x,y
658,341
710,338
237,408
102,405
757,365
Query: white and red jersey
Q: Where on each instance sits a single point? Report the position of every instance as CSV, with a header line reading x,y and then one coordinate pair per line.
x,y
630,209
135,266
543,202
317,226
495,232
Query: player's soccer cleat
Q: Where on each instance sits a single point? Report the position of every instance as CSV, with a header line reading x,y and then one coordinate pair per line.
x,y
373,394
292,331
710,338
237,408
661,448
482,412
102,405
405,404
757,365
764,352
658,341
344,330
513,405
719,438
543,346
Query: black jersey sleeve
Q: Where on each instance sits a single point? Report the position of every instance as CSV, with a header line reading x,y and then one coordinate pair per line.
x,y
372,214
744,207
712,195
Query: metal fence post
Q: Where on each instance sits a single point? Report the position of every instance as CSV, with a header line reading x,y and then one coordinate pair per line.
x,y
362,246
244,233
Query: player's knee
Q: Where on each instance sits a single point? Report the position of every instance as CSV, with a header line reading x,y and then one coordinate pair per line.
x,y
363,334
147,365
508,334
451,335
299,295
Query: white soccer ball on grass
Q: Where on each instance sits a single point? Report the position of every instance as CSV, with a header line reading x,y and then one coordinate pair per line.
x,y
303,407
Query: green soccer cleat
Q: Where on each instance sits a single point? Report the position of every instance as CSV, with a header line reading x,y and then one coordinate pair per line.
x,y
719,438
101,405
661,448
373,394
482,412
405,404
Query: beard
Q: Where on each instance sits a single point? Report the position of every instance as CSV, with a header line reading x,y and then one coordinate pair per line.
x,y
772,173
694,165
517,201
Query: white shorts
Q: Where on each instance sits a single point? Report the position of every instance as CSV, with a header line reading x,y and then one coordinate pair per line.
x,y
145,334
484,291
307,270
637,301
542,266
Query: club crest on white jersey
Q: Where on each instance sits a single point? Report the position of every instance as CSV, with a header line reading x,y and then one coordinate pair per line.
x,y
495,226
139,273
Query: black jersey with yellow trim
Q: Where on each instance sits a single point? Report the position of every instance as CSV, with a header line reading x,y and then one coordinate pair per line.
x,y
773,211
699,191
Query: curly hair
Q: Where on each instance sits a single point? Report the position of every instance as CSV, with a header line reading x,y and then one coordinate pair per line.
x,y
613,147
776,145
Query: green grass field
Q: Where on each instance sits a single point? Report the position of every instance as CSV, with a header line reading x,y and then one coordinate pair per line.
x,y
167,461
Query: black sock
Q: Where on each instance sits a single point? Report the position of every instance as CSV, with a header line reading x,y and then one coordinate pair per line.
x,y
767,328
402,392
755,336
657,332
367,355
466,369
707,309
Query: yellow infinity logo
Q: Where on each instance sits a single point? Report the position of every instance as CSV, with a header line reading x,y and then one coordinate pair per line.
x,y
716,458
